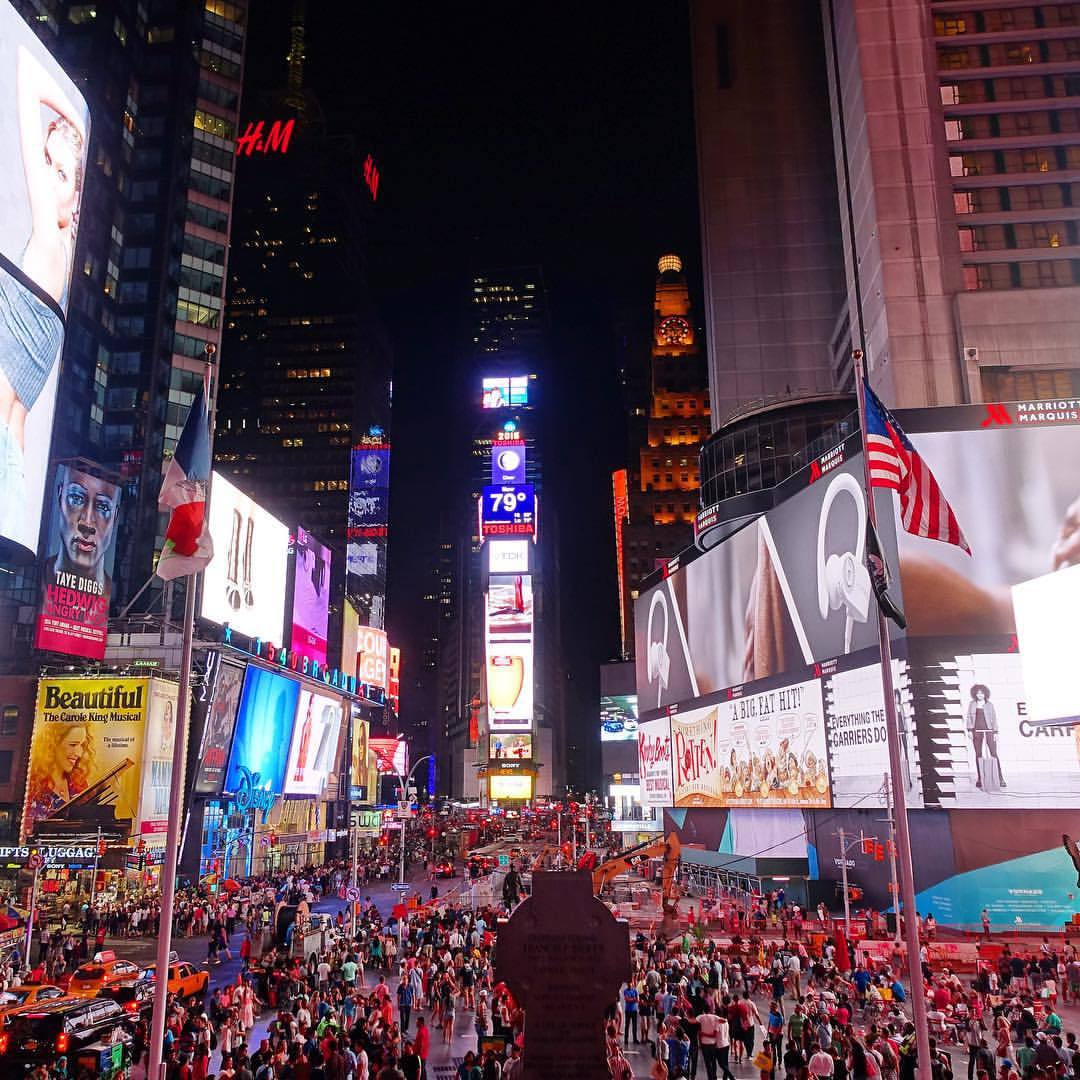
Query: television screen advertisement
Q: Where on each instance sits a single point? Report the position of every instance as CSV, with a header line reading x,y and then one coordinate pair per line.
x,y
508,462
654,762
504,391
510,606
372,656
999,619
508,556
695,769
369,508
509,685
358,761
510,747
618,718
755,606
508,510
264,725
161,728
858,750
77,569
244,584
85,756
311,597
44,132
313,753
391,755
771,748
218,734
510,787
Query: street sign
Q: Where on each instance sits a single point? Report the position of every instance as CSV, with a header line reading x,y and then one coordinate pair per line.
x,y
400,886
352,894
36,860
504,860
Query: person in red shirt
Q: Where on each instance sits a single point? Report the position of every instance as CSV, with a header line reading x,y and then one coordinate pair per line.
x,y
422,1040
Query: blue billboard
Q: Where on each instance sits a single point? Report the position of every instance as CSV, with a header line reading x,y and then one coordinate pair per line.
x,y
508,510
264,724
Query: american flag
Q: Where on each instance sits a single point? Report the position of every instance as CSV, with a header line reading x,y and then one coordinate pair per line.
x,y
896,464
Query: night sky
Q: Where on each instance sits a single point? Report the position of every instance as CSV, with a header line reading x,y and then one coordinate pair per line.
x,y
559,135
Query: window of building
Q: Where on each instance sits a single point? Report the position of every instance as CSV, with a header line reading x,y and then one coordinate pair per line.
x,y
1004,384
82,13
9,720
948,26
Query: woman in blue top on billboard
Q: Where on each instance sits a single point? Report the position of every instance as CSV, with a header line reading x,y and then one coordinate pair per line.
x,y
33,295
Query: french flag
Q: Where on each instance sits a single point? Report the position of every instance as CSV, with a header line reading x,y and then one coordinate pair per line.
x,y
188,547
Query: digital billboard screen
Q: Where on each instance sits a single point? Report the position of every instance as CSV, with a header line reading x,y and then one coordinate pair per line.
x,y
369,500
44,133
508,556
618,718
510,606
504,391
218,733
311,597
510,787
264,726
85,757
510,747
372,656
313,751
509,685
358,760
76,573
508,462
157,757
244,584
508,510
391,755
654,762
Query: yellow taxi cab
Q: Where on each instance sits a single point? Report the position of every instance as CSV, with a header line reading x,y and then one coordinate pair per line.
x,y
15,997
104,970
185,980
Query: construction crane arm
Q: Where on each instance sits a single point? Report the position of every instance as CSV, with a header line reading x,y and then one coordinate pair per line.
x,y
668,848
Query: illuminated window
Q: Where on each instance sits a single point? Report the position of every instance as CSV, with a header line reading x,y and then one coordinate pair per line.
x,y
81,13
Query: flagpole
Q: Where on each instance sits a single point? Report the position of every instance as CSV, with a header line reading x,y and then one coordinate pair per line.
x,y
899,791
156,1063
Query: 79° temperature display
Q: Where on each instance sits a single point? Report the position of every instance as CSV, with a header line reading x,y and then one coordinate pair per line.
x,y
508,510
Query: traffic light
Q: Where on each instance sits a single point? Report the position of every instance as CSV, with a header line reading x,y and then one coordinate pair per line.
x,y
868,845
431,834
879,853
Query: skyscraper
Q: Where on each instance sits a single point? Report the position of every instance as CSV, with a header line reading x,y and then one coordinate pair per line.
x,y
939,234
163,84
306,373
507,343
656,497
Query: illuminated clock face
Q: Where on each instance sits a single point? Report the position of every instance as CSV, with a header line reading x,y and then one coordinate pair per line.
x,y
674,330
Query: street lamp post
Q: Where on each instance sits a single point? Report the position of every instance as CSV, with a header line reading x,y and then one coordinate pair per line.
x,y
403,780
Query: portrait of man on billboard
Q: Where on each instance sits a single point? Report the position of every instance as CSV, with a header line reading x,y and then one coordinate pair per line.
x,y
76,577
41,180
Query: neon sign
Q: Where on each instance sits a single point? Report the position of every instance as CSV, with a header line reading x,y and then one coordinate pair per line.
x,y
251,796
276,139
371,176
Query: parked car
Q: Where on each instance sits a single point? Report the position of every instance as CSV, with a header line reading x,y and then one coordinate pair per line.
x,y
185,980
445,869
40,1034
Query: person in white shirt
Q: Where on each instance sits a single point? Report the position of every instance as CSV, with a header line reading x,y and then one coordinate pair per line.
x,y
714,1039
821,1063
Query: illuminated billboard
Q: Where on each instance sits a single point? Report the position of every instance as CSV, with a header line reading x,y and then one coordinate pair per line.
x,y
44,129
391,755
358,760
311,597
509,685
508,462
76,574
157,757
504,391
85,757
654,762
510,787
244,584
313,752
369,502
510,747
618,718
508,556
510,606
393,679
264,726
371,656
218,733
508,510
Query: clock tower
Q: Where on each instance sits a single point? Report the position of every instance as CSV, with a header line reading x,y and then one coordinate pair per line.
x,y
656,498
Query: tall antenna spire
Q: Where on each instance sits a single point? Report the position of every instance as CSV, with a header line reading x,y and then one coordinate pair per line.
x,y
295,57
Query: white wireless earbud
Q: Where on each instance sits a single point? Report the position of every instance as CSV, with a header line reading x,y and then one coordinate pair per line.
x,y
658,662
843,580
